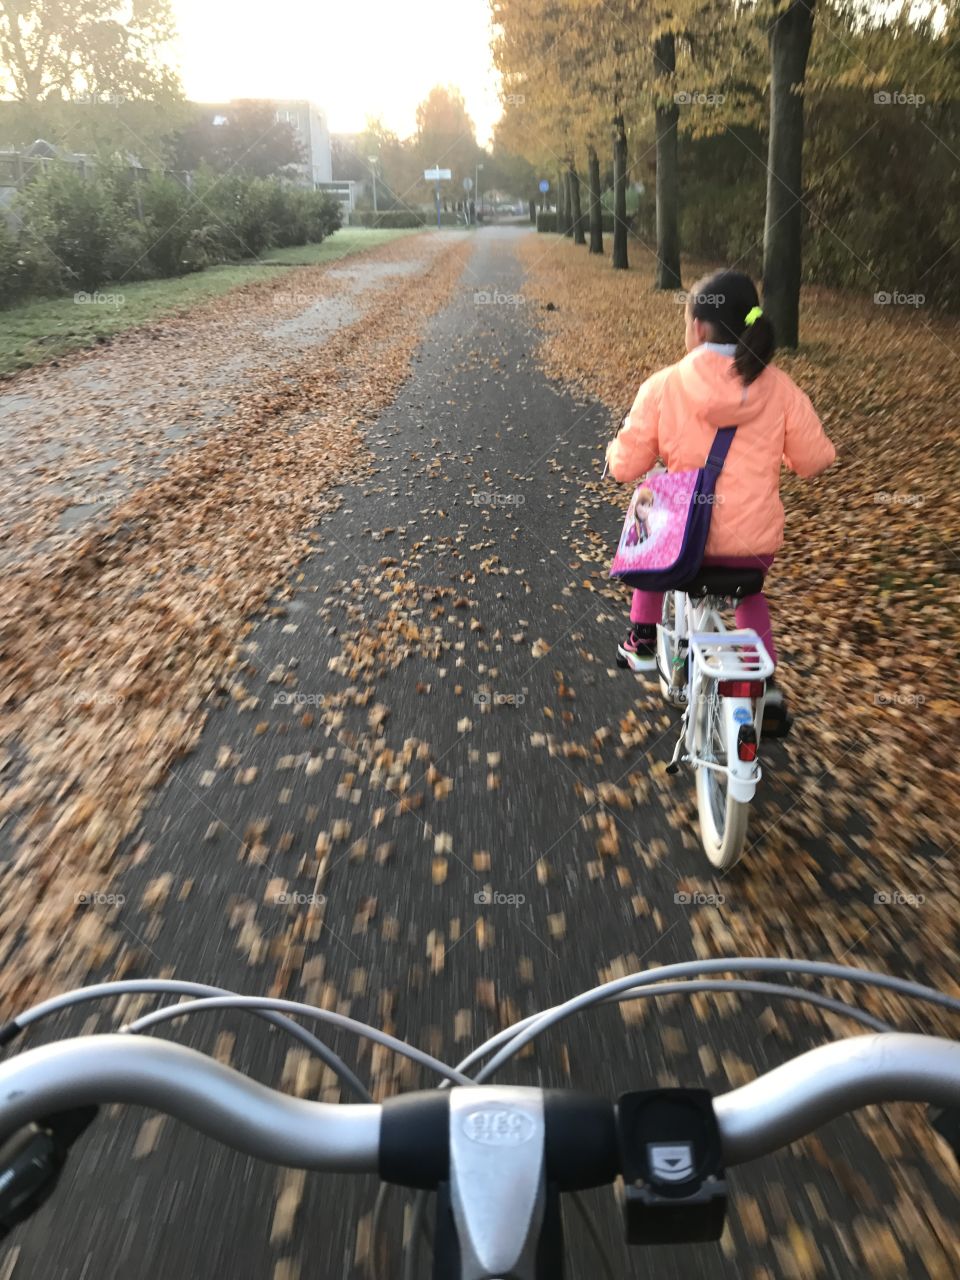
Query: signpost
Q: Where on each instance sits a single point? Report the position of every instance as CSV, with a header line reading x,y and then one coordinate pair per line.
x,y
544,186
437,175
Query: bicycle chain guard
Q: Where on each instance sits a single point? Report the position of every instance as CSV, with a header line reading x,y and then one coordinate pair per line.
x,y
673,1189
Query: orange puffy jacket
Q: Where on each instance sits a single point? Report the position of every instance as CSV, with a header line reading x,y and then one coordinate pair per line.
x,y
674,417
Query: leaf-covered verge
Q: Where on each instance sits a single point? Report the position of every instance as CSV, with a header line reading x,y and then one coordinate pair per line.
x,y
852,852
863,597
110,644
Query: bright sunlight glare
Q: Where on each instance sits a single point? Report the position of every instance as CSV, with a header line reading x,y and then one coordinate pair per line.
x,y
376,58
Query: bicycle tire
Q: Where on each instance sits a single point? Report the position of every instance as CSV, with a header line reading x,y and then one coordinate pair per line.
x,y
723,820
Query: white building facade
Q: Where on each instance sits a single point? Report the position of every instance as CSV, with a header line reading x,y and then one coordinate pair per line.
x,y
313,133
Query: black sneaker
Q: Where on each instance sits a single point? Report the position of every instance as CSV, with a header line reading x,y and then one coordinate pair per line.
x,y
639,650
777,720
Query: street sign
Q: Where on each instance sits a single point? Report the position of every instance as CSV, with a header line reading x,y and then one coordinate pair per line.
x,y
468,184
544,185
438,175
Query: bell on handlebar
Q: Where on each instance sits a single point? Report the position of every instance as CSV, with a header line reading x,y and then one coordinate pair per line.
x,y
673,1189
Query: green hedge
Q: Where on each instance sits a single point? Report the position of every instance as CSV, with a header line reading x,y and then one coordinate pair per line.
x,y
400,219
393,219
78,232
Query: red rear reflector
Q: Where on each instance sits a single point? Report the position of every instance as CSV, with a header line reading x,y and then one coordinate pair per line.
x,y
747,751
740,688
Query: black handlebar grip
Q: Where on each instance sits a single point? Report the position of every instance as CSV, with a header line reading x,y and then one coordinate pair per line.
x,y
581,1147
415,1139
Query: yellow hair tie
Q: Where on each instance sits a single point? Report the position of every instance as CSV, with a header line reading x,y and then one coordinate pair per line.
x,y
753,315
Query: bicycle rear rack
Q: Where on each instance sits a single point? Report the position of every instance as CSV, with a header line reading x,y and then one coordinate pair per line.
x,y
731,655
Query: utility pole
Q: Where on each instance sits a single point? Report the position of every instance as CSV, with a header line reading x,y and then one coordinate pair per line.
x,y
373,170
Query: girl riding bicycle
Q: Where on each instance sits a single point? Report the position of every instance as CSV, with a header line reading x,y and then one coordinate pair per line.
x,y
726,379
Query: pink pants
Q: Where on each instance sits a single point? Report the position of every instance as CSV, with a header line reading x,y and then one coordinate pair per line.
x,y
752,611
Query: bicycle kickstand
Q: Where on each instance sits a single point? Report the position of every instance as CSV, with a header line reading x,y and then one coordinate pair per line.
x,y
674,764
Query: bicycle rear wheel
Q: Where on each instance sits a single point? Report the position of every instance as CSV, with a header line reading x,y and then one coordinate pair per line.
x,y
723,820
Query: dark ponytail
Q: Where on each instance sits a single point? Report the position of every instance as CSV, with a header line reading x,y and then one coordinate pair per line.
x,y
723,302
755,348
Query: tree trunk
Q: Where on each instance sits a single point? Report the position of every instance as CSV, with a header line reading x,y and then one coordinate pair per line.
x,y
620,261
668,167
789,35
562,204
596,209
576,212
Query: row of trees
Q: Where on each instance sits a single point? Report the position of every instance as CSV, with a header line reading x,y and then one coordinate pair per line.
x,y
168,190
94,76
445,136
587,81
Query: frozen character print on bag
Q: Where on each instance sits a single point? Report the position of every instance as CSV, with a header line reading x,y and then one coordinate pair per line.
x,y
655,524
642,510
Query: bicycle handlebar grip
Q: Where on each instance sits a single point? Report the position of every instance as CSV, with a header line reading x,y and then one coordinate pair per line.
x,y
415,1139
581,1144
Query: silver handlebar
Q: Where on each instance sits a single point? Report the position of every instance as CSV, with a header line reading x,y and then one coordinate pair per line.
x,y
772,1111
792,1100
210,1097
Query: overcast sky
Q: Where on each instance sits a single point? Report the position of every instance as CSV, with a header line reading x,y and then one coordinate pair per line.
x,y
353,57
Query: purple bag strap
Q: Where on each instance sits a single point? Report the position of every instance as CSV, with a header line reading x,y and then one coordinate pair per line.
x,y
718,450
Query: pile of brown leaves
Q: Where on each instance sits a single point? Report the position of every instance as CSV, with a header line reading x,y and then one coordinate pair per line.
x,y
133,624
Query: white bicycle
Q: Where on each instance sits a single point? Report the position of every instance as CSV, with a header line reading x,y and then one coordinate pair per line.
x,y
498,1157
719,679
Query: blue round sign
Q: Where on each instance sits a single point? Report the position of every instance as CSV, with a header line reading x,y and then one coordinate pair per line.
x,y
544,185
